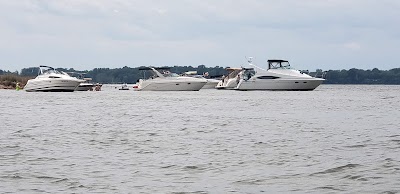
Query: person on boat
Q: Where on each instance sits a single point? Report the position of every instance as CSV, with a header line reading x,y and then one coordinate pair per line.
x,y
238,79
17,86
223,79
247,76
98,87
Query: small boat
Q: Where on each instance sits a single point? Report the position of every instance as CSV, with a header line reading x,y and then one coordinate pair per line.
x,y
85,86
124,87
97,87
51,80
163,80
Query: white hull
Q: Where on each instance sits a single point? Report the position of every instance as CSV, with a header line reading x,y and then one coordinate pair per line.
x,y
167,81
51,85
278,76
170,85
211,84
84,87
280,84
278,79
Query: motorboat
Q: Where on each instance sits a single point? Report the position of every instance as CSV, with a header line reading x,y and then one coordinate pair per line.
x,y
85,86
163,80
51,80
124,87
211,83
279,76
97,87
230,81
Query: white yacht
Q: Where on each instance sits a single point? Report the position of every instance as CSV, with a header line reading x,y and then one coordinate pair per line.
x,y
51,80
278,76
167,81
230,81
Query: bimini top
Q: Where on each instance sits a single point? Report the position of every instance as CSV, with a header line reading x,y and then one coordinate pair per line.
x,y
276,61
278,64
156,68
43,66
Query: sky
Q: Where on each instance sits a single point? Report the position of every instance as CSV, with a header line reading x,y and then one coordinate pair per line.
x,y
311,34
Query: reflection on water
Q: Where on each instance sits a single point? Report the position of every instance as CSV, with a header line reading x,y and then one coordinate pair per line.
x,y
333,139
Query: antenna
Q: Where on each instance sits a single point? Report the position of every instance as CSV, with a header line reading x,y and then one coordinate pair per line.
x,y
250,61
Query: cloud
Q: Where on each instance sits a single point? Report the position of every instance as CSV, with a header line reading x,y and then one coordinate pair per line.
x,y
352,46
90,33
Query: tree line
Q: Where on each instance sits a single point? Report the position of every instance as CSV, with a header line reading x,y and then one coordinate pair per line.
x,y
131,75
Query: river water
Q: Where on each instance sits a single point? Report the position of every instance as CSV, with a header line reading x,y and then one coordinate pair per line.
x,y
336,139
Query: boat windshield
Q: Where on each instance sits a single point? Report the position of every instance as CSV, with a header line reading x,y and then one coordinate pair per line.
x,y
197,76
49,71
171,75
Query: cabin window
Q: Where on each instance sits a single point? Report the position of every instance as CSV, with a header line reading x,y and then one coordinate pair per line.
x,y
267,77
53,77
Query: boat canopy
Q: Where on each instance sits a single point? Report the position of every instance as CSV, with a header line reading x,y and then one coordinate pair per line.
x,y
278,64
156,68
276,61
48,67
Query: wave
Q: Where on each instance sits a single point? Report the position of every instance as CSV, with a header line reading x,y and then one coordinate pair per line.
x,y
337,169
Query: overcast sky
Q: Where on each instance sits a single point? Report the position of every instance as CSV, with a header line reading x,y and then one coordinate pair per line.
x,y
85,34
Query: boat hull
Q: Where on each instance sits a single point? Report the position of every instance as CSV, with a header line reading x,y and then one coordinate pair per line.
x,y
280,84
84,87
150,85
61,85
211,84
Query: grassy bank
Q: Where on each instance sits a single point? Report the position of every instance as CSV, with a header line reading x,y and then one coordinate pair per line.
x,y
10,81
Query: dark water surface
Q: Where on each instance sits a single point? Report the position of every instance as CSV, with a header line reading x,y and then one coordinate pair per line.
x,y
336,139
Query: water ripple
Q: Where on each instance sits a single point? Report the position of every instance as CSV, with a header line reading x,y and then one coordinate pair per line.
x,y
336,139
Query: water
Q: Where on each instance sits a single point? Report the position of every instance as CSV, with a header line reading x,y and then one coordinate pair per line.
x,y
336,139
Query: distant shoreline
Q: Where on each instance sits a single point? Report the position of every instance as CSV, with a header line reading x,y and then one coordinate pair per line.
x,y
130,75
9,81
3,87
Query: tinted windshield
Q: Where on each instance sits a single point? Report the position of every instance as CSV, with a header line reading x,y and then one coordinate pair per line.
x,y
48,71
171,75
